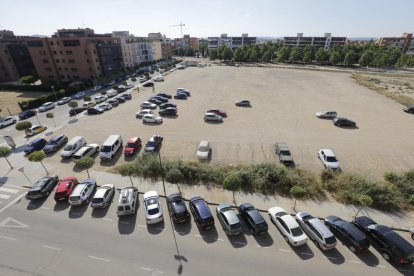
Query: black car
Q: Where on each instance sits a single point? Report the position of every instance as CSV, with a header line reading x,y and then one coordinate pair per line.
x,y
27,114
148,84
391,245
36,144
55,143
76,111
120,99
155,101
341,121
409,109
161,99
180,96
95,110
243,103
177,209
43,187
127,96
113,102
253,219
348,233
154,144
169,111
165,95
201,213
165,105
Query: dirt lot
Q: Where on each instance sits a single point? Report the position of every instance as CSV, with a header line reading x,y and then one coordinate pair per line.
x,y
284,103
9,100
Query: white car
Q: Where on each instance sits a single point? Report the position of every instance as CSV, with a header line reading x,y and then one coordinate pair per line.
x,y
46,106
328,159
88,104
6,121
143,112
151,119
79,95
326,114
64,100
152,206
96,88
158,78
82,193
148,105
103,196
203,150
288,226
100,98
88,150
105,106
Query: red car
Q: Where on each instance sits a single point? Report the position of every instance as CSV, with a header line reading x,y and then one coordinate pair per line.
x,y
220,112
65,188
132,146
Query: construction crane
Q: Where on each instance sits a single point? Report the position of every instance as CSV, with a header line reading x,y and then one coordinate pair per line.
x,y
179,25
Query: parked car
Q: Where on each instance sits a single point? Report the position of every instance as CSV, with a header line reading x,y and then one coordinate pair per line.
x,y
153,144
88,104
120,99
65,188
212,117
72,146
203,150
110,147
390,245
217,111
343,122
184,91
155,101
43,187
55,143
35,130
159,99
143,79
348,233
82,192
46,106
126,95
63,101
328,159
113,102
103,196
141,113
35,145
166,105
148,84
27,114
152,207
151,119
148,105
169,111
409,109
100,98
95,110
127,202
180,96
287,225
79,95
158,78
177,209
105,106
88,150
76,111
326,114
316,230
96,88
243,103
165,95
254,220
6,121
133,145
229,220
201,213
283,152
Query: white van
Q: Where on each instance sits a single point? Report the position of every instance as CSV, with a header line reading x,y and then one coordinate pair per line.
x,y
111,93
110,147
73,146
127,203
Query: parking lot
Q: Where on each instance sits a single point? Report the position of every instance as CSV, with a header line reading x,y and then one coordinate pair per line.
x,y
284,103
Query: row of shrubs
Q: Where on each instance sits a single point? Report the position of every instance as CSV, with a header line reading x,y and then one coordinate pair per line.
x,y
393,193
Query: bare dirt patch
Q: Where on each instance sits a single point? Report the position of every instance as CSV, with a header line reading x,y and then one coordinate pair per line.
x,y
9,99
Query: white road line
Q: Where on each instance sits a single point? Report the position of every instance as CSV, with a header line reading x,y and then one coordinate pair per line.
x,y
331,258
220,239
7,238
107,219
199,236
143,226
145,268
284,250
308,254
382,266
152,270
98,258
4,196
123,222
47,208
10,191
60,211
13,202
354,262
264,247
51,247
243,243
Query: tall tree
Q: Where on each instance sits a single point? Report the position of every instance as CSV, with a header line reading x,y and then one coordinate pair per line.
x,y
254,56
295,55
85,163
239,54
308,54
351,58
4,152
283,54
321,56
189,52
366,58
335,56
228,54
38,156
213,54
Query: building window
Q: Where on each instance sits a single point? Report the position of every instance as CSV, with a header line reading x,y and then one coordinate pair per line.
x,y
90,69
6,52
87,60
63,61
96,60
76,77
57,61
48,69
45,61
34,44
71,43
57,43
62,76
60,68
66,68
60,52
54,52
42,53
74,69
71,61
51,43
94,52
69,52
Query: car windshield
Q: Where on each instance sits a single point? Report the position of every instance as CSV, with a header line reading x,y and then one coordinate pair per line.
x,y
331,159
235,226
330,240
296,232
151,144
97,200
52,142
106,149
203,148
130,145
153,211
284,152
68,147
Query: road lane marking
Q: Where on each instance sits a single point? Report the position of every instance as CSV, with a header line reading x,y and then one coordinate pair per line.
x,y
143,226
12,223
354,262
284,250
264,246
331,258
123,222
98,258
7,238
382,266
10,191
151,269
199,236
47,208
51,247
220,239
308,254
4,196
107,219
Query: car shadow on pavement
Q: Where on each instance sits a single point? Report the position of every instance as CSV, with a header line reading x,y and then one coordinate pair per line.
x,y
209,235
73,120
76,212
66,160
3,179
264,240
112,162
348,127
183,228
304,252
99,212
156,228
36,203
126,224
49,133
368,258
61,206
18,149
334,256
214,122
238,241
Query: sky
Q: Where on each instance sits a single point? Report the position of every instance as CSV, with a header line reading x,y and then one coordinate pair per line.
x,y
262,18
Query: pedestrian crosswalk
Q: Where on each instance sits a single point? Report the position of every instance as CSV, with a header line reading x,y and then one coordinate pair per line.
x,y
7,192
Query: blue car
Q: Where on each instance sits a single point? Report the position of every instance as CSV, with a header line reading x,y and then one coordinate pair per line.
x,y
35,145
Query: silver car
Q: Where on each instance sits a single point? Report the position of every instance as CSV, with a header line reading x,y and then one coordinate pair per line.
x,y
152,206
229,220
46,106
103,196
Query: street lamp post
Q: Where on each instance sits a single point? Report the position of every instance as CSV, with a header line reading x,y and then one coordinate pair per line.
x,y
53,89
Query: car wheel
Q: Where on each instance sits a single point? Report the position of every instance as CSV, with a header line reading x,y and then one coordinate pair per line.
x,y
386,255
352,248
112,156
286,238
316,243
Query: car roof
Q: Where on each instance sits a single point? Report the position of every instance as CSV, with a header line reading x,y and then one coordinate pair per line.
x,y
290,221
396,239
275,210
328,152
57,137
150,194
39,184
318,224
132,139
255,215
203,144
365,221
211,114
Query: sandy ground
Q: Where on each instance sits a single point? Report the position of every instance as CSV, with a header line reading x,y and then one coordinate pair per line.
x,y
9,100
284,103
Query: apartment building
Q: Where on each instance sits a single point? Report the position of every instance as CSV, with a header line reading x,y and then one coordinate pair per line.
x,y
136,50
232,42
167,46
75,55
404,43
327,41
185,42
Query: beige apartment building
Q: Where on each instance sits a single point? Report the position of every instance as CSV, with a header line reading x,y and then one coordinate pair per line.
x,y
404,43
166,44
326,42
